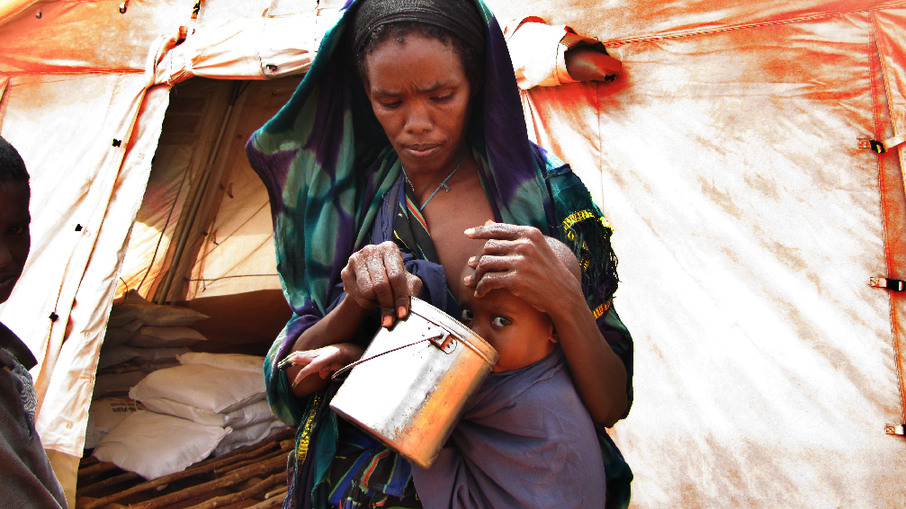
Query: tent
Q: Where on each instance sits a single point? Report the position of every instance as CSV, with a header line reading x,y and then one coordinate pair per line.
x,y
761,239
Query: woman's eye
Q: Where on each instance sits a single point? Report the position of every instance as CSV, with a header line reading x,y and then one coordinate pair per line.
x,y
501,321
466,315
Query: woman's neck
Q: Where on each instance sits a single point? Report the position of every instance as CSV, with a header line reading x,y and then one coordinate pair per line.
x,y
425,186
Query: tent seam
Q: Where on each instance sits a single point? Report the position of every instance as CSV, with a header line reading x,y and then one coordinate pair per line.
x,y
877,112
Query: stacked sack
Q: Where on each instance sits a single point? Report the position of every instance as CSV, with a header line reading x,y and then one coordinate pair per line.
x,y
209,404
141,337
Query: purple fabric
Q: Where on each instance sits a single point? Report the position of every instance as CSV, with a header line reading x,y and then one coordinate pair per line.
x,y
28,480
525,440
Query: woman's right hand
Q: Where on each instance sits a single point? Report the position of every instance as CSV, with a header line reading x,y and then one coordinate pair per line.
x,y
375,277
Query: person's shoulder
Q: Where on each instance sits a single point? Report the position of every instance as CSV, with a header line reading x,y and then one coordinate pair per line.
x,y
11,343
547,384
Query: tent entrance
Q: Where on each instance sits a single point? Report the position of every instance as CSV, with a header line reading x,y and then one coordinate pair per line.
x,y
203,234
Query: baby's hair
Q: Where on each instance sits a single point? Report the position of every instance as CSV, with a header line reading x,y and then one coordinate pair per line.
x,y
12,167
566,256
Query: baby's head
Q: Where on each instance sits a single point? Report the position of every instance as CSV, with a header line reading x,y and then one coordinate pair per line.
x,y
521,334
15,238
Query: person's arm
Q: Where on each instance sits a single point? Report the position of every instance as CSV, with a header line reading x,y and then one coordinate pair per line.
x,y
546,55
374,278
518,259
324,348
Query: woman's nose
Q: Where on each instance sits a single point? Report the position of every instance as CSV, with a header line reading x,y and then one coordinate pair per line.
x,y
419,119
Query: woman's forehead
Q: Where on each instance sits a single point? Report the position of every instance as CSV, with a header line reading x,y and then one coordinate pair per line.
x,y
420,62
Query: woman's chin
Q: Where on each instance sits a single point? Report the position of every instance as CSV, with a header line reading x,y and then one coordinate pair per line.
x,y
422,160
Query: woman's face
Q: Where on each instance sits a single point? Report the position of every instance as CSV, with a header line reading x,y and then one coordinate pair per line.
x,y
420,95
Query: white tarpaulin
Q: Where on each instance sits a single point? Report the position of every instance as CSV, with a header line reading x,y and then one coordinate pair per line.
x,y
748,222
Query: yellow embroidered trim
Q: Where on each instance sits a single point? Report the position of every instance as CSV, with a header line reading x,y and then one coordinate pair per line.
x,y
575,217
582,215
601,309
305,436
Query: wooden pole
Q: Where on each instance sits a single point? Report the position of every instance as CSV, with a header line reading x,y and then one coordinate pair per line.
x,y
276,444
255,491
106,483
234,477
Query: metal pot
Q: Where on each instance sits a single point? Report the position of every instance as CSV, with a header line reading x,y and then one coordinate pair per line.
x,y
411,383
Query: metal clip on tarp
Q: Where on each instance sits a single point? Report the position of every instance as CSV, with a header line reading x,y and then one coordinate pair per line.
x,y
879,147
895,285
895,429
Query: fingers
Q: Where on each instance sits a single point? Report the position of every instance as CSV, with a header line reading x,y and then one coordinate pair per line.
x,y
492,273
501,259
397,291
304,372
501,231
514,258
376,277
306,359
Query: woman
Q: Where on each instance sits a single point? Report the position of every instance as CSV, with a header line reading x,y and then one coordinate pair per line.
x,y
406,132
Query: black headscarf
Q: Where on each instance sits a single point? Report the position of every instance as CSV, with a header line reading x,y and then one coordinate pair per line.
x,y
457,16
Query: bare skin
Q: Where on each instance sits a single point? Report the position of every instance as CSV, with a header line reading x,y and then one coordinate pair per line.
x,y
586,63
15,238
420,95
518,259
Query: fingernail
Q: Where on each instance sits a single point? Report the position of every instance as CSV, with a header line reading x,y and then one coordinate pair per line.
x,y
467,280
473,260
401,312
386,321
469,231
294,384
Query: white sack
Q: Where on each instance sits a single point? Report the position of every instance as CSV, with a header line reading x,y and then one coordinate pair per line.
x,y
238,361
150,336
253,413
247,436
200,386
154,445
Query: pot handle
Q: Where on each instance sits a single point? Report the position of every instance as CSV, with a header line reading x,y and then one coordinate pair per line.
x,y
442,340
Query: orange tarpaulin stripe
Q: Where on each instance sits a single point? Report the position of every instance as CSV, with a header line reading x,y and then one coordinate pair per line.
x,y
890,120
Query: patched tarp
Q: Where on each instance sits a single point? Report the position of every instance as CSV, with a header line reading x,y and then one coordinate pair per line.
x,y
748,221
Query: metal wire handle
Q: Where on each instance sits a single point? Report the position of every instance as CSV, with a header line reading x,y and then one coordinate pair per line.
x,y
351,365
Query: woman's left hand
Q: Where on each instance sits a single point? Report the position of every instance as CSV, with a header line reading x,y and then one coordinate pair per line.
x,y
518,259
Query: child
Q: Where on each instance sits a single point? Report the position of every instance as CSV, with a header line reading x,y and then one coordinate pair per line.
x,y
525,439
27,480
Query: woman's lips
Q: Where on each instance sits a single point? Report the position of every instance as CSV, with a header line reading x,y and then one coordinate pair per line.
x,y
422,150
